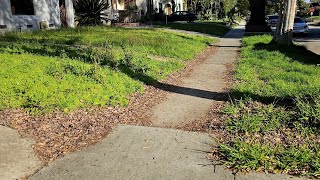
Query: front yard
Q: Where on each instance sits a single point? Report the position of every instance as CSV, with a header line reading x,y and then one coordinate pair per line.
x,y
68,88
76,68
273,125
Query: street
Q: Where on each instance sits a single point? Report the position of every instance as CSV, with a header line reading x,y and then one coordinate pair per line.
x,y
312,40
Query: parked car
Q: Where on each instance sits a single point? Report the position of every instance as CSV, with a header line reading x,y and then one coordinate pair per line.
x,y
299,27
272,21
182,16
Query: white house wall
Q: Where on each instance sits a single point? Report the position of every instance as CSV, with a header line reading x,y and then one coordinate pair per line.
x,y
142,5
45,10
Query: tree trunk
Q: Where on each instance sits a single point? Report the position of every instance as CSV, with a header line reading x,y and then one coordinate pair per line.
x,y
257,21
284,30
70,13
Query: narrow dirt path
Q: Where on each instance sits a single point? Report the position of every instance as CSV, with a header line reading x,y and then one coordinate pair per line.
x,y
194,96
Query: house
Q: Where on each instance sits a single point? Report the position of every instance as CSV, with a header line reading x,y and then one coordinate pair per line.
x,y
160,6
19,15
148,6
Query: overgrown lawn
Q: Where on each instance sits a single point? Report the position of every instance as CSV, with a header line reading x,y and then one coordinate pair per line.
x,y
274,124
67,69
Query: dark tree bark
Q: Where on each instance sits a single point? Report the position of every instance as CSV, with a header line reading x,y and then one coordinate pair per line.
x,y
257,21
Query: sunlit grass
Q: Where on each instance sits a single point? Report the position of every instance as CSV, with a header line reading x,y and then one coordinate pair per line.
x,y
66,69
275,126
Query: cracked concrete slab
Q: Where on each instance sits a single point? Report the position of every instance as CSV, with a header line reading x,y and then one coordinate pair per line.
x,y
134,152
17,158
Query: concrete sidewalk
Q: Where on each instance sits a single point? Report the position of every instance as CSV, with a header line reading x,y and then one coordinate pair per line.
x,y
17,158
205,85
134,152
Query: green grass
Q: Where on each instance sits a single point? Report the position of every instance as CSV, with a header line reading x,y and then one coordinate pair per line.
x,y
313,18
39,83
276,125
67,69
213,28
273,158
270,71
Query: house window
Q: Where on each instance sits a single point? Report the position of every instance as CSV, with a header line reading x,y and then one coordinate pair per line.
x,y
22,7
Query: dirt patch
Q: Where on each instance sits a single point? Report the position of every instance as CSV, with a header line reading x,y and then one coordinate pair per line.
x,y
58,133
159,58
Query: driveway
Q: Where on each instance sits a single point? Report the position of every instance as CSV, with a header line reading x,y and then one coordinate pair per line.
x,y
312,40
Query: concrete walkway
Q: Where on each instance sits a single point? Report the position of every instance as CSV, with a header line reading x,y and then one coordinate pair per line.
x,y
17,158
133,152
204,85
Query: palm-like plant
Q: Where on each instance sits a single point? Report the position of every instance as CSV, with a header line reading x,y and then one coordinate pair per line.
x,y
91,12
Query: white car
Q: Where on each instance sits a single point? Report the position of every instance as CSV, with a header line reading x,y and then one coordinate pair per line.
x,y
299,26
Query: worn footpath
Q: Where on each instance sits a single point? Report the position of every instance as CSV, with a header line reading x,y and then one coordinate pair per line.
x,y
136,152
159,152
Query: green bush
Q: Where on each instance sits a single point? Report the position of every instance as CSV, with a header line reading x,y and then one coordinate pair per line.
x,y
91,12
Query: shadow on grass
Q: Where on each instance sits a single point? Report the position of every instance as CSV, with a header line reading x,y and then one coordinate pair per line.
x,y
281,101
212,28
218,96
124,66
13,38
296,52
83,53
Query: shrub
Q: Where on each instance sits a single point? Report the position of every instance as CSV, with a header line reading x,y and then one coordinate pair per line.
x,y
91,12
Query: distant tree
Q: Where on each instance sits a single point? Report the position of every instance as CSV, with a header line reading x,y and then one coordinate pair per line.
x,y
243,7
272,6
257,21
303,8
228,5
219,9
